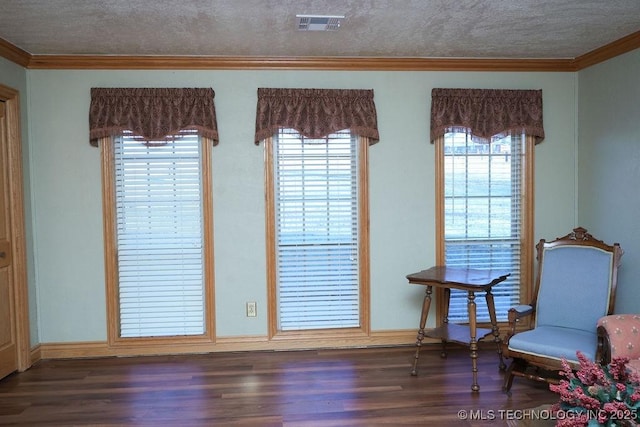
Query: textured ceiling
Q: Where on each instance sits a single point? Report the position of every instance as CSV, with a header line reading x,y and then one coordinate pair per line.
x,y
372,28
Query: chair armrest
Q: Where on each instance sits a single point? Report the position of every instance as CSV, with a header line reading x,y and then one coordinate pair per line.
x,y
521,310
603,351
619,336
514,315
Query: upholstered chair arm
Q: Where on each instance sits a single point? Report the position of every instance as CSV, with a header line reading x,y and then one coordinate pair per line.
x,y
514,315
619,336
603,351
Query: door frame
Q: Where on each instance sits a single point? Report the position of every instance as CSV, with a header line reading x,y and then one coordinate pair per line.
x,y
11,98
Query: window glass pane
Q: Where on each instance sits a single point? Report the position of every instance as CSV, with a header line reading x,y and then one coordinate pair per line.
x,y
482,215
317,230
159,236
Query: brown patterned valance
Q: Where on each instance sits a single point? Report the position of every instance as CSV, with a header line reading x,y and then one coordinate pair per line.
x,y
151,113
486,113
315,113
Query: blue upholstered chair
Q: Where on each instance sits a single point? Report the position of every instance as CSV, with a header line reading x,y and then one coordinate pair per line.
x,y
575,287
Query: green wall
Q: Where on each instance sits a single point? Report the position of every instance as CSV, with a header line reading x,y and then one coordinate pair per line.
x,y
63,188
609,164
66,187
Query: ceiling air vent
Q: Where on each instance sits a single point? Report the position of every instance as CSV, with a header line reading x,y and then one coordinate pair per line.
x,y
318,22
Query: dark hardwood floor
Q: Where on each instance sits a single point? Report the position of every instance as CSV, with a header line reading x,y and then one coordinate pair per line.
x,y
356,387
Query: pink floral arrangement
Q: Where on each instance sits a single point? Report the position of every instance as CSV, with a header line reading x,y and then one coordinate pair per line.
x,y
597,395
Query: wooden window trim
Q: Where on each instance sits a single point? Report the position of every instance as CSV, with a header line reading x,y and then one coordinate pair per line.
x,y
111,259
327,335
527,248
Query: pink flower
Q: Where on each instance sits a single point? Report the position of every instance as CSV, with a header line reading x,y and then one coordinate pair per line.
x,y
574,420
615,408
566,371
608,390
602,417
618,368
587,402
589,373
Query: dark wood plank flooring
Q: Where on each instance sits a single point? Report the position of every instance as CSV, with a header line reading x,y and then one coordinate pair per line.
x,y
355,387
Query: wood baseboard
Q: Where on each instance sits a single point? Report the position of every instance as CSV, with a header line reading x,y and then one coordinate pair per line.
x,y
35,354
93,349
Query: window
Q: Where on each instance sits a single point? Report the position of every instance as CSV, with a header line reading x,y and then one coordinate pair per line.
x,y
157,210
319,240
317,217
159,279
485,214
484,184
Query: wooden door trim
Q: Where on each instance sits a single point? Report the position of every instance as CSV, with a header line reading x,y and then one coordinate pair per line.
x,y
11,98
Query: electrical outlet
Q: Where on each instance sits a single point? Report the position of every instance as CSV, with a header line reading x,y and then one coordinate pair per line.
x,y
251,309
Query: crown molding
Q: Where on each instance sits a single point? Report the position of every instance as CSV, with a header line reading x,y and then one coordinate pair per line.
x,y
611,50
142,62
14,53
294,63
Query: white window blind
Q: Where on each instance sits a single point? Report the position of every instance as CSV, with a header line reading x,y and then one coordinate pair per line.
x,y
159,236
483,216
316,197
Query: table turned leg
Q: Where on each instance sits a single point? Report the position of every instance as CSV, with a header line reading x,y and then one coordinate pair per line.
x,y
445,319
494,328
426,304
473,343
